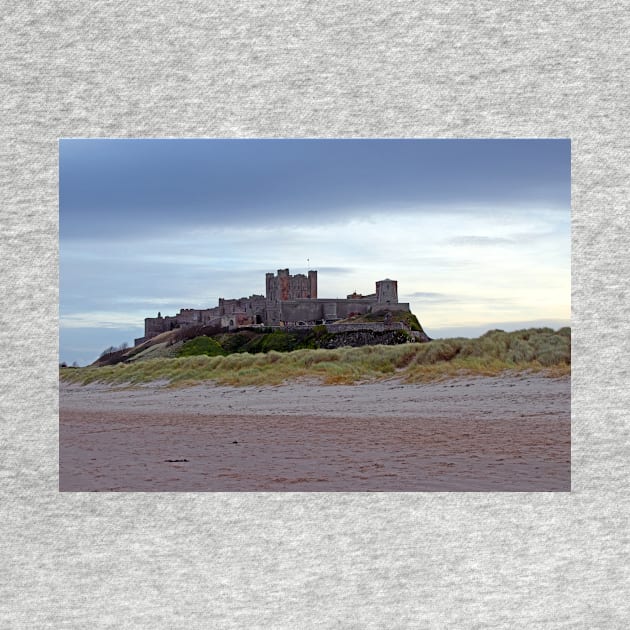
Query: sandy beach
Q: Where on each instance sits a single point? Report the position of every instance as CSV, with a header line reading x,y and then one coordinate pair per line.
x,y
507,433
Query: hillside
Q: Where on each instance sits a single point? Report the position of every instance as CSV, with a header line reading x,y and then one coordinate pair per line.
x,y
537,349
211,341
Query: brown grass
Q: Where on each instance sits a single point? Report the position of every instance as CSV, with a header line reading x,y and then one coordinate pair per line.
x,y
533,350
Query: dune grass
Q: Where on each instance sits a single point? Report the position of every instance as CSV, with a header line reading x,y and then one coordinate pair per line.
x,y
538,350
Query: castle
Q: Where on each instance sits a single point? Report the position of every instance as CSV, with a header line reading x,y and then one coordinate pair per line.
x,y
290,300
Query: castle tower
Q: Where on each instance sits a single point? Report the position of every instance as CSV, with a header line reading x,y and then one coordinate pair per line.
x,y
312,281
387,291
283,284
270,286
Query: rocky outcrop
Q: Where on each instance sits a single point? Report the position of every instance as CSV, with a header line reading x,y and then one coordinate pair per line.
x,y
357,338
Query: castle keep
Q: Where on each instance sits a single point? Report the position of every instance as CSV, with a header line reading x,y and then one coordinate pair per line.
x,y
288,301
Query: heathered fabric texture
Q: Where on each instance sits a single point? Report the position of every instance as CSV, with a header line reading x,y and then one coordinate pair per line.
x,y
326,69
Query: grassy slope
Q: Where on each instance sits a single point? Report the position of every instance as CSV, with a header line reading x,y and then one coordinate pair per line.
x,y
194,340
378,316
534,349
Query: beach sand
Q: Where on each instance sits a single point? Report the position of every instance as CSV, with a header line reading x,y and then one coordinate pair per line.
x,y
507,433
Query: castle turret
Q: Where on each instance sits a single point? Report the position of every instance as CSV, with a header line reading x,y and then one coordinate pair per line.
x,y
387,291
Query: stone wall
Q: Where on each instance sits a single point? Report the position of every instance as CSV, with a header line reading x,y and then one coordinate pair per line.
x,y
373,326
356,338
310,311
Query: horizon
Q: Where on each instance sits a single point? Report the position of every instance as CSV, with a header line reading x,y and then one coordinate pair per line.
x,y
476,232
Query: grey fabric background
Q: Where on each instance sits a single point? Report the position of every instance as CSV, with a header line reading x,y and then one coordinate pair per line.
x,y
314,69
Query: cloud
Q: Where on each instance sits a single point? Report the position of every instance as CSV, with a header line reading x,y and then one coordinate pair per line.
x,y
446,298
429,296
336,270
554,226
155,186
103,319
480,240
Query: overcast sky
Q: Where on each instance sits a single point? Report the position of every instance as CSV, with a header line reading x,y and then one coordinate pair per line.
x,y
477,232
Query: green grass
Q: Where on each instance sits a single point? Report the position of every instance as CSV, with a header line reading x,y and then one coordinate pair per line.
x,y
201,346
278,340
539,350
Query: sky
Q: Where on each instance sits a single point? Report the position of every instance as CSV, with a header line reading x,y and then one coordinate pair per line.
x,y
477,232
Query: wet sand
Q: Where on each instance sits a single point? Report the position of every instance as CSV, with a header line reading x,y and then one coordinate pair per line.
x,y
509,433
